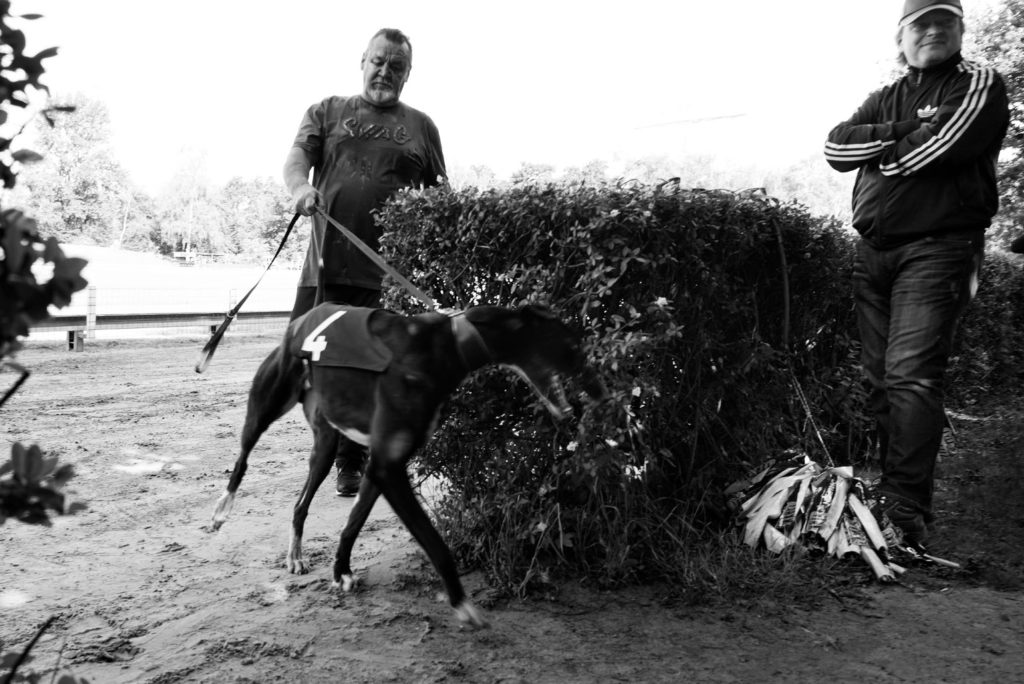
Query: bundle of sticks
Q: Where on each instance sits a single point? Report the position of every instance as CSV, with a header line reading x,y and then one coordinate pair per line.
x,y
797,502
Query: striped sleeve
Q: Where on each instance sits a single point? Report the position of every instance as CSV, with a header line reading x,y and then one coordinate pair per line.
x,y
860,139
973,111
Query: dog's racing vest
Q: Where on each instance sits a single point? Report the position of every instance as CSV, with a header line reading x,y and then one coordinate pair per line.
x,y
338,335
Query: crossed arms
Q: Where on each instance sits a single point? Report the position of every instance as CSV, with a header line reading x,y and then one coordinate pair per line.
x,y
963,126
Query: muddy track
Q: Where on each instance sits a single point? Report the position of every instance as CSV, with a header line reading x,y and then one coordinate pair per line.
x,y
143,591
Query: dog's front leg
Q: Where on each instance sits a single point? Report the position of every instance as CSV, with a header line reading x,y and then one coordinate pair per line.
x,y
343,576
321,458
389,473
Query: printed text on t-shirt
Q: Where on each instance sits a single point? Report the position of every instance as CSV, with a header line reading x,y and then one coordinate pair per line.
x,y
374,131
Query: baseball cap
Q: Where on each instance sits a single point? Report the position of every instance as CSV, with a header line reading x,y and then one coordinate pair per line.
x,y
913,9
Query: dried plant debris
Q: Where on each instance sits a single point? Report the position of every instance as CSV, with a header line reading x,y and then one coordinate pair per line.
x,y
795,502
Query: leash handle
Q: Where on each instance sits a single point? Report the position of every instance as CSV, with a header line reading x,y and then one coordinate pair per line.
x,y
24,373
379,261
207,353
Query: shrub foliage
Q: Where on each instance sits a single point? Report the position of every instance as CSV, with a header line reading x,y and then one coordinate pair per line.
x,y
30,481
708,313
988,352
701,309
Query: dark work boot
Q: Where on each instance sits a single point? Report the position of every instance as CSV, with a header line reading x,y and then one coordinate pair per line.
x,y
350,461
907,518
348,482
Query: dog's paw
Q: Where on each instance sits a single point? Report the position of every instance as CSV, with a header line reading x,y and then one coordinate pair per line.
x,y
220,513
296,565
293,560
346,583
470,616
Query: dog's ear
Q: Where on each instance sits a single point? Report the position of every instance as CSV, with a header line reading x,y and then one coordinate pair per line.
x,y
528,315
512,319
487,313
540,311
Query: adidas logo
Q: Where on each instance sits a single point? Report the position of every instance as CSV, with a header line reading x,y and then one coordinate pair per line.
x,y
927,112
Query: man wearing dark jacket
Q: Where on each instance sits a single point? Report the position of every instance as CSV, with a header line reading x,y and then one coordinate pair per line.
x,y
925,149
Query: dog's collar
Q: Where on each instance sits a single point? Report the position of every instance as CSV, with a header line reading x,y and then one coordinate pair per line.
x,y
471,346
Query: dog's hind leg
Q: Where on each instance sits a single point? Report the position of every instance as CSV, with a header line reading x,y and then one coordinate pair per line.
x,y
368,494
321,458
275,390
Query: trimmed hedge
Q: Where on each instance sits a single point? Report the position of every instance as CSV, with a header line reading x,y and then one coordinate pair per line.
x,y
703,311
988,352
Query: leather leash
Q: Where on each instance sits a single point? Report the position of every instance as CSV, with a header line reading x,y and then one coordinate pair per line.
x,y
470,345
379,261
207,353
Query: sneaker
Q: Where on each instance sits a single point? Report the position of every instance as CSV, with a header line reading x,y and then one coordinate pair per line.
x,y
907,519
348,482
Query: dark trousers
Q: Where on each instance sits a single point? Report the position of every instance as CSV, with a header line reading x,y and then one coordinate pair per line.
x,y
338,294
350,456
908,301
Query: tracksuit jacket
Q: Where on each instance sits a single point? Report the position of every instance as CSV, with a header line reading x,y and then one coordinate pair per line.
x,y
926,149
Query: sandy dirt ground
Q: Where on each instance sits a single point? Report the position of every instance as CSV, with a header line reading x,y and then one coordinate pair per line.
x,y
143,591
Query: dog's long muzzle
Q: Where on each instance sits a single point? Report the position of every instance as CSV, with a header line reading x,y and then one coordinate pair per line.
x,y
554,396
551,390
592,384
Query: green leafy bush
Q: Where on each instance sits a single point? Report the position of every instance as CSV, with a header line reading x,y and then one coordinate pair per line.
x,y
23,299
30,485
26,291
30,482
988,353
690,299
705,312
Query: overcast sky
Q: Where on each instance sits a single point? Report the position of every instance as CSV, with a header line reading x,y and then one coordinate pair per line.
x,y
557,82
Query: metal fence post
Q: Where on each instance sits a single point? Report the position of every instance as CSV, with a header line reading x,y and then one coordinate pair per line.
x,y
90,314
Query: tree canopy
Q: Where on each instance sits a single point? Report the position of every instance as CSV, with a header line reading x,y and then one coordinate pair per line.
x,y
81,192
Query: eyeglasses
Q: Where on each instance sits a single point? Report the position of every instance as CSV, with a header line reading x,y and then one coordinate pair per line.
x,y
944,23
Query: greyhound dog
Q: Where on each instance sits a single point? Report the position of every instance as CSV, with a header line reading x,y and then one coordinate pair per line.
x,y
389,399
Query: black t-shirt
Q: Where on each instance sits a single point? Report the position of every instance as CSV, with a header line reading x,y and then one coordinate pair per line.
x,y
361,154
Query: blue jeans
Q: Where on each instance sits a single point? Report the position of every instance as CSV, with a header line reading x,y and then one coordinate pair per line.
x,y
908,301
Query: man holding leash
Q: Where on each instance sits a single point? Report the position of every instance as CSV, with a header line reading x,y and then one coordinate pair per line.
x,y
361,149
925,149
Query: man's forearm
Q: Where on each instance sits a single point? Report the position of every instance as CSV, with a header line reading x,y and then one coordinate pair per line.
x,y
296,169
